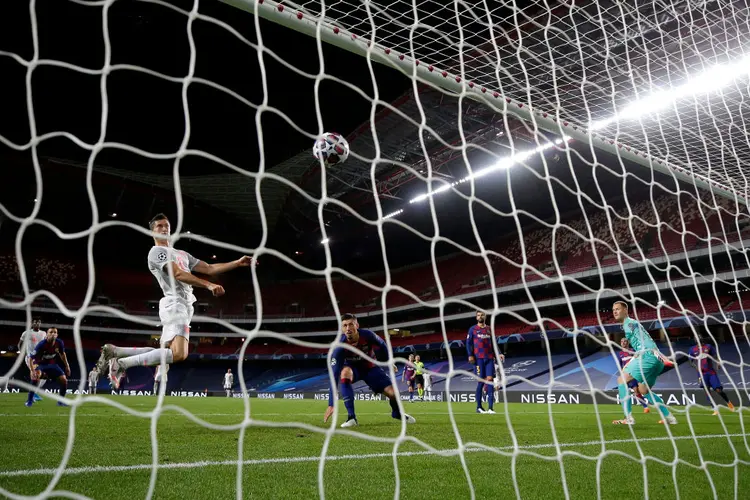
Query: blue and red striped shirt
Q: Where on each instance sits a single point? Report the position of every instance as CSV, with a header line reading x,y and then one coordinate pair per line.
x,y
706,363
479,342
46,353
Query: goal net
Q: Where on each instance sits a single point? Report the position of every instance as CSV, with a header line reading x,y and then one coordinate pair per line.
x,y
543,161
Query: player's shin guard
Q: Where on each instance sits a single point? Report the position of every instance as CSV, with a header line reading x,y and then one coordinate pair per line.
x,y
347,394
627,405
478,394
657,401
151,358
123,352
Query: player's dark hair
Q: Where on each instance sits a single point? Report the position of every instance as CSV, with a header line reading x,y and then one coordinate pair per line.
x,y
348,316
157,217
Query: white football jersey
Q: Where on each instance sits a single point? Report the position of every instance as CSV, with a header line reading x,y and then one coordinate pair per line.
x,y
228,379
93,377
29,340
158,258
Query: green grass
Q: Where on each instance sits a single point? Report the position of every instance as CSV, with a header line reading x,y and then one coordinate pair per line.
x,y
107,437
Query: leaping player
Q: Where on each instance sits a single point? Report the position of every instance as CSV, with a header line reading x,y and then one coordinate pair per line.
x,y
29,339
45,356
175,308
482,355
704,354
349,367
645,367
625,356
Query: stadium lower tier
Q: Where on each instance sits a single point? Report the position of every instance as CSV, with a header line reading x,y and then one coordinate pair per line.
x,y
528,373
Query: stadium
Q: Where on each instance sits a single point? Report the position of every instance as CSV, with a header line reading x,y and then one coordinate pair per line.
x,y
538,163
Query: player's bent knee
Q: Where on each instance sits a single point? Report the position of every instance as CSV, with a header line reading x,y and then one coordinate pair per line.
x,y
62,379
347,372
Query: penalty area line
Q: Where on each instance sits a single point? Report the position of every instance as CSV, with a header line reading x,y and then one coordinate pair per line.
x,y
333,458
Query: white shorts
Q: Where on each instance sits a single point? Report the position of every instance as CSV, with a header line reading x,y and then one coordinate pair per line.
x,y
427,384
175,318
227,387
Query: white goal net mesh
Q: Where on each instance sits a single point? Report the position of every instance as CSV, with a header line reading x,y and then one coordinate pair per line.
x,y
632,112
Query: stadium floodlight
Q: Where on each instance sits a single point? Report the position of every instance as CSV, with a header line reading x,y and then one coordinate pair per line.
x,y
708,81
324,241
393,214
503,164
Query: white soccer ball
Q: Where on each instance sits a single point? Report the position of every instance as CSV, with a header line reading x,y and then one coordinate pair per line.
x,y
332,148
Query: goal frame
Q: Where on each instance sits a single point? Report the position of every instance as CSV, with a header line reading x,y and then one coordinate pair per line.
x,y
552,122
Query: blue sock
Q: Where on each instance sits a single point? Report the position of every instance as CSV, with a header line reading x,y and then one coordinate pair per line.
x,y
411,396
395,412
490,396
347,393
627,405
656,400
30,398
478,394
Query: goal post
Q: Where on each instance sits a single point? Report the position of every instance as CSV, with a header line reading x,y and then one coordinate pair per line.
x,y
435,73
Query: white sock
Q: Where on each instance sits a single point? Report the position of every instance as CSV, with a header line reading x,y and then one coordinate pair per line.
x,y
150,358
122,352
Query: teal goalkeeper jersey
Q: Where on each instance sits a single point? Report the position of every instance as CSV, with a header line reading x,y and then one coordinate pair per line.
x,y
640,340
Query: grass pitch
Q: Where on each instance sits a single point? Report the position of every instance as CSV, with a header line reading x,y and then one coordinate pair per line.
x,y
197,455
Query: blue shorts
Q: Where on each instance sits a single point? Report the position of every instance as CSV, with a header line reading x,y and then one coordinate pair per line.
x,y
711,380
485,368
51,371
375,378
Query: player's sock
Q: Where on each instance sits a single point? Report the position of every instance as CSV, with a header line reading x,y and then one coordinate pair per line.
x,y
150,358
63,389
421,392
347,393
411,395
155,388
395,412
627,405
123,352
30,398
657,401
723,395
478,394
490,398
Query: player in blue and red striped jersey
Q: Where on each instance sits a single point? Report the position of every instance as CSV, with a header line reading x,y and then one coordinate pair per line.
x,y
624,356
701,356
408,377
349,367
482,356
45,356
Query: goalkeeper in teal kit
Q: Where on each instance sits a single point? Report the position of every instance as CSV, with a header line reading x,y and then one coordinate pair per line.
x,y
646,365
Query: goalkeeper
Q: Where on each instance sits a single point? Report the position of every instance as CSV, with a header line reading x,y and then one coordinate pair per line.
x,y
646,365
349,367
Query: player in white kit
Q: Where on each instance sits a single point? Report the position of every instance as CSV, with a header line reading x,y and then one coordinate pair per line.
x,y
228,382
93,380
160,377
427,385
175,308
28,341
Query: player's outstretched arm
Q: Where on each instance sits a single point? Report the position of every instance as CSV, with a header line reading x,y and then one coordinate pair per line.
x,y
64,359
220,268
191,279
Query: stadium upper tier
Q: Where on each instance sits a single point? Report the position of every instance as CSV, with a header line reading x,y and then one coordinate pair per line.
x,y
603,243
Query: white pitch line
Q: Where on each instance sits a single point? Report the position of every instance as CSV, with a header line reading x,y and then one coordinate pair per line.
x,y
256,414
333,458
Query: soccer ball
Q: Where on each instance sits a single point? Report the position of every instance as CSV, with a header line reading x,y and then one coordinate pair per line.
x,y
331,148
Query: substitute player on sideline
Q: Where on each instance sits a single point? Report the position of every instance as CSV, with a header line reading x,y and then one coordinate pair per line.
x,y
349,367
228,382
625,356
482,356
701,358
45,356
29,339
175,308
645,367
